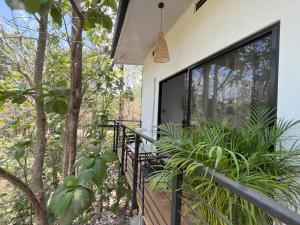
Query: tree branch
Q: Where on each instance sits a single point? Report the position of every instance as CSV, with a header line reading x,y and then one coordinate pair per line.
x,y
17,182
77,37
76,10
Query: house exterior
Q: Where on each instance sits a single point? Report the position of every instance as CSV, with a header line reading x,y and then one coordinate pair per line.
x,y
225,56
228,55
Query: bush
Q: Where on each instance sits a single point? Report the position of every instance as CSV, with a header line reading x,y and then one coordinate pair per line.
x,y
254,155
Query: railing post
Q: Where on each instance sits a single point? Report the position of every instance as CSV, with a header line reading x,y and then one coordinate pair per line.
x,y
135,172
114,137
176,200
123,150
143,191
117,138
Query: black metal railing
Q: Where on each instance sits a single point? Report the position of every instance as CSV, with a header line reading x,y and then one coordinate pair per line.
x,y
130,136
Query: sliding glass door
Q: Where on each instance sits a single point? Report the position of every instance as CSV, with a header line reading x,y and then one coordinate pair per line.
x,y
172,100
226,85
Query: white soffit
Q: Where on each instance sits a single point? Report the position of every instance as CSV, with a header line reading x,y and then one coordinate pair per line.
x,y
141,27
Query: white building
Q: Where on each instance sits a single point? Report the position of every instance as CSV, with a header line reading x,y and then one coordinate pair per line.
x,y
224,56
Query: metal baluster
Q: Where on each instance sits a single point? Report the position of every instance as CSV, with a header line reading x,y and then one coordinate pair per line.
x,y
123,150
135,172
117,139
143,191
114,137
176,200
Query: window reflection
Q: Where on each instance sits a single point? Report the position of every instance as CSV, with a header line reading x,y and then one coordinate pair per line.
x,y
225,87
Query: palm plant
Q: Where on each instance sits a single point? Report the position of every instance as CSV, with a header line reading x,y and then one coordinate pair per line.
x,y
259,155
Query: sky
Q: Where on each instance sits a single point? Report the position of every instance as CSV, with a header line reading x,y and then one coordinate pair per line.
x,y
22,20
21,15
4,10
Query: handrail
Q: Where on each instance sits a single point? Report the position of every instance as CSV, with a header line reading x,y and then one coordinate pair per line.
x,y
151,140
268,205
133,121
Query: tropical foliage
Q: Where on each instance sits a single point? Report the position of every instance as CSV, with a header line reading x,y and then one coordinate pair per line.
x,y
76,194
259,155
38,85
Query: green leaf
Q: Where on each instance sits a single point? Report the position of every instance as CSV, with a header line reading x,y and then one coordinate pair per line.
x,y
90,2
111,3
62,92
100,169
56,15
92,17
26,142
62,202
84,162
45,6
60,107
88,24
13,122
96,150
87,163
70,181
15,4
19,99
78,162
85,176
57,106
106,22
3,195
55,195
49,106
19,153
82,200
61,83
109,156
68,215
32,5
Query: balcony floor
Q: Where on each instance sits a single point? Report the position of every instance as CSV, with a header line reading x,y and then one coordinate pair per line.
x,y
157,203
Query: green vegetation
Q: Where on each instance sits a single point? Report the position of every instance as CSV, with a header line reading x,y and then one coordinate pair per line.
x,y
57,85
260,155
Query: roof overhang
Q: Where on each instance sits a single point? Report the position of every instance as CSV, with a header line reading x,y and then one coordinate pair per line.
x,y
137,27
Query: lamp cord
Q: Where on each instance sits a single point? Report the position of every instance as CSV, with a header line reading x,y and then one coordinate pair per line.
x,y
161,20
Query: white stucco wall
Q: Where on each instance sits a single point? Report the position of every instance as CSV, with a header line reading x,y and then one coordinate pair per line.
x,y
218,24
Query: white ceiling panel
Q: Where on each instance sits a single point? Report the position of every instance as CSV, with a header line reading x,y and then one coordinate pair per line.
x,y
141,27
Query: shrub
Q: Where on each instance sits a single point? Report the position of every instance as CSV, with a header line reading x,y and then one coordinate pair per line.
x,y
255,155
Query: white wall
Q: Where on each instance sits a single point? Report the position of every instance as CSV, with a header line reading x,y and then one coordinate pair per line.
x,y
218,24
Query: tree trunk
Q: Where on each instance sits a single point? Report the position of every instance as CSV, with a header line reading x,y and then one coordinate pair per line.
x,y
40,211
72,117
37,168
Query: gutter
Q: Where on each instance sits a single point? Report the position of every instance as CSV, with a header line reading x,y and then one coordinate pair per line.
x,y
122,9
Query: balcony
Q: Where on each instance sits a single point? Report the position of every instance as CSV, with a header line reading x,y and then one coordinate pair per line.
x,y
136,153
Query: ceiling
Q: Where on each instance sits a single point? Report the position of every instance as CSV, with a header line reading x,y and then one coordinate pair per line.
x,y
141,26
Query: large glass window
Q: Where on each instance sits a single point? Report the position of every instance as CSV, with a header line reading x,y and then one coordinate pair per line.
x,y
226,86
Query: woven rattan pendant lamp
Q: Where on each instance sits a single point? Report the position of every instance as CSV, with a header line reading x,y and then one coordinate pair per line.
x,y
161,52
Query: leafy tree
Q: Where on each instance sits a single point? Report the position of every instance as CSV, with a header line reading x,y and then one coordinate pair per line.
x,y
53,73
85,15
41,9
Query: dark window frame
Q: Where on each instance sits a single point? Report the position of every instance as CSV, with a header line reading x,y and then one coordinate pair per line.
x,y
273,29
199,4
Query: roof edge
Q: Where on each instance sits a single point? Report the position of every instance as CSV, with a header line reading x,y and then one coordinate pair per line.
x,y
122,9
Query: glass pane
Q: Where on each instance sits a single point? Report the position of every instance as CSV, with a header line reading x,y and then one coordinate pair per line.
x,y
172,100
232,82
197,98
263,49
